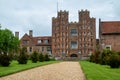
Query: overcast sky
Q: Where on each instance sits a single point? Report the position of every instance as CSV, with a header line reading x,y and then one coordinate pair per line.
x,y
25,15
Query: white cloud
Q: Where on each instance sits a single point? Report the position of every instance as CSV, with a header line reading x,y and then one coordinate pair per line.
x,y
22,15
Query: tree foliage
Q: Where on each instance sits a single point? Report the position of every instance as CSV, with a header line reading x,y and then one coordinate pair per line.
x,y
4,60
22,59
41,57
8,42
47,57
34,57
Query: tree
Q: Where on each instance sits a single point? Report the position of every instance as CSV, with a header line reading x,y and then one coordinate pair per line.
x,y
47,57
8,42
22,59
41,57
34,57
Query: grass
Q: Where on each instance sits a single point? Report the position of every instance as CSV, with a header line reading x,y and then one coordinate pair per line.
x,y
99,72
15,67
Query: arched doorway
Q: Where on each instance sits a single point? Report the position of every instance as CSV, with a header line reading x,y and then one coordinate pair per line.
x,y
73,55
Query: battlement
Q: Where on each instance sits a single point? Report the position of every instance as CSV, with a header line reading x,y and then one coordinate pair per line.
x,y
53,18
73,22
63,11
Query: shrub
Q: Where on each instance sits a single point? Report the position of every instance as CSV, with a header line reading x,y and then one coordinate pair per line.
x,y
41,57
52,59
34,57
95,57
4,60
105,56
22,59
114,61
47,57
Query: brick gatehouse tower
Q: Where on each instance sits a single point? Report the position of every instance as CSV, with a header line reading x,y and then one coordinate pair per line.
x,y
73,39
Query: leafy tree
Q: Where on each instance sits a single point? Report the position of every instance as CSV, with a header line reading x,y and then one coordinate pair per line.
x,y
8,42
34,57
41,57
22,59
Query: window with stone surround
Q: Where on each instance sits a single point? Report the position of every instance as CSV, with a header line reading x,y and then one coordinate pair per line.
x,y
74,44
108,47
74,32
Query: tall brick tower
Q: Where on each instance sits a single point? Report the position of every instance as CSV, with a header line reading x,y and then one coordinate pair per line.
x,y
60,34
88,32
73,39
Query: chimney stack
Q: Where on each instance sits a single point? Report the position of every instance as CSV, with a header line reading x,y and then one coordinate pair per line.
x,y
30,33
17,34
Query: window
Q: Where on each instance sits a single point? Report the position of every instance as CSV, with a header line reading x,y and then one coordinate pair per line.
x,y
48,49
30,49
39,41
73,32
74,45
108,47
46,41
42,49
25,42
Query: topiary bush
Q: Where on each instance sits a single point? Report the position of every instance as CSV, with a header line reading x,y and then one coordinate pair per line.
x,y
22,58
114,61
34,57
47,57
4,60
41,57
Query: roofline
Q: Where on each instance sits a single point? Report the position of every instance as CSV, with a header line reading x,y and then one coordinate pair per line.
x,y
109,21
42,36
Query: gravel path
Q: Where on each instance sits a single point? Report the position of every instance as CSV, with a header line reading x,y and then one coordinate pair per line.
x,y
58,71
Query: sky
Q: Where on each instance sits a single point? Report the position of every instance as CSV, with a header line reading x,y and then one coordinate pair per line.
x,y
36,15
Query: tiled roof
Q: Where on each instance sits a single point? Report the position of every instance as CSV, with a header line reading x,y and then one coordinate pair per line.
x,y
109,27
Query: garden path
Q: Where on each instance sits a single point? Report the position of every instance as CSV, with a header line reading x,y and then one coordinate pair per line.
x,y
58,71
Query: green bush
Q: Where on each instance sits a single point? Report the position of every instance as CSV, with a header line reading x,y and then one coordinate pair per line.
x,y
114,61
22,58
95,57
41,57
52,59
47,57
105,56
34,57
4,60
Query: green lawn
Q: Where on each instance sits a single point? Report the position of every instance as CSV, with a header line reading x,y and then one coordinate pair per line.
x,y
99,72
15,67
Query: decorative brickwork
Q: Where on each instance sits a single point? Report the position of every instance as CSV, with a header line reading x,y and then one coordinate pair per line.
x,y
71,39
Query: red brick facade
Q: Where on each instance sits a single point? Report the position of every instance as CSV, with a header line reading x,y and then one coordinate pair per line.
x,y
109,35
70,39
39,44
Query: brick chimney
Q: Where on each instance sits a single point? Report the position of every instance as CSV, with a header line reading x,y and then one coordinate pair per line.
x,y
30,33
17,34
